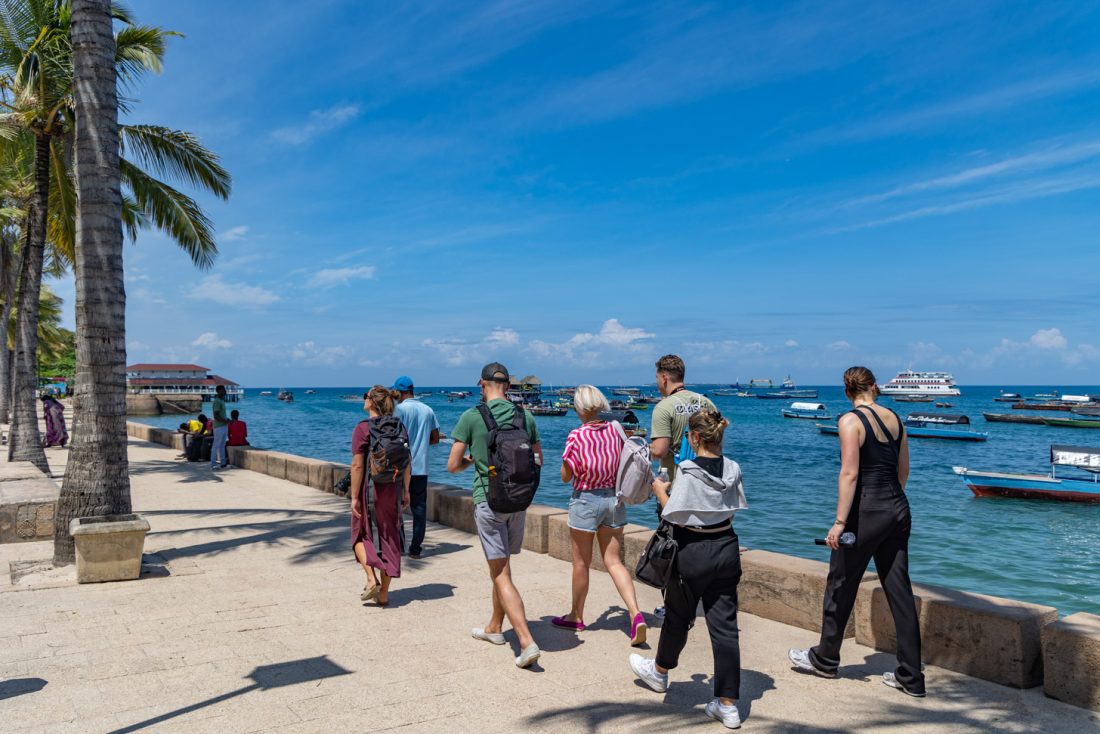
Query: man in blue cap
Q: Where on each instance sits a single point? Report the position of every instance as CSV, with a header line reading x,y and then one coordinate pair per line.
x,y
423,429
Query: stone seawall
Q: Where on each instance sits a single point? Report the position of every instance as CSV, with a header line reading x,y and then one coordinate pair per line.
x,y
1002,640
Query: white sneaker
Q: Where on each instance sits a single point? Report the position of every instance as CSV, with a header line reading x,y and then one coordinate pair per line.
x,y
728,715
646,669
529,655
892,680
800,659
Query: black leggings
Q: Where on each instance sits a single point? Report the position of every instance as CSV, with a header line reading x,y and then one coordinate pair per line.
x,y
883,534
709,568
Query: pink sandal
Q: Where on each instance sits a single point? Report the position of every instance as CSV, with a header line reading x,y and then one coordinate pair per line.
x,y
637,630
566,624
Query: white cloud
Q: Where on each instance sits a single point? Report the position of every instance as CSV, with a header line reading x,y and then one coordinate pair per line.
x,y
210,340
341,276
503,337
790,343
1048,339
235,233
319,123
310,353
589,349
213,288
839,345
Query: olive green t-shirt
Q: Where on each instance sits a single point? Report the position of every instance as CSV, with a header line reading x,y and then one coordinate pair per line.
x,y
218,406
472,431
670,419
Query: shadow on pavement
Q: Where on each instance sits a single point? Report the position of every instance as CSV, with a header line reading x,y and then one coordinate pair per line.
x,y
19,686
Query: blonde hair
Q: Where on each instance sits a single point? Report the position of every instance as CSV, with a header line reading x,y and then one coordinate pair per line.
x,y
711,427
381,399
588,399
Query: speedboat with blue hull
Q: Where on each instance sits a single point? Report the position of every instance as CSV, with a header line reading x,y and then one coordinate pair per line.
x,y
1041,486
928,425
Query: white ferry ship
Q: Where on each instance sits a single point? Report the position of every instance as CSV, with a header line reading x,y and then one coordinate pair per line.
x,y
909,382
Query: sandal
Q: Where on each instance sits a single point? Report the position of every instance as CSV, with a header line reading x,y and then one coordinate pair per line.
x,y
371,592
567,624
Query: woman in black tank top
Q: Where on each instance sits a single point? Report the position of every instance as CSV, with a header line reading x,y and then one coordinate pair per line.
x,y
871,504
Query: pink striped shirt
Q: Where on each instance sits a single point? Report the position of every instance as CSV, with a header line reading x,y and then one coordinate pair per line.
x,y
592,452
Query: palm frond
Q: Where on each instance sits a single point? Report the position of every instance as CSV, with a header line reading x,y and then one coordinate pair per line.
x,y
174,213
61,225
139,49
176,154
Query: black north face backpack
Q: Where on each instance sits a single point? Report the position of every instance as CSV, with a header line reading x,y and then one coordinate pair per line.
x,y
513,473
389,448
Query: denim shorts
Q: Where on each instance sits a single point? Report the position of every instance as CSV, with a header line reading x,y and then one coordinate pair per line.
x,y
589,509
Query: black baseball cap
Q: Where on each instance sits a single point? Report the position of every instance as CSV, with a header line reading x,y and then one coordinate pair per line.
x,y
495,372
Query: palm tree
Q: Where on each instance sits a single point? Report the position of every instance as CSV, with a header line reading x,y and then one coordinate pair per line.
x,y
97,479
35,48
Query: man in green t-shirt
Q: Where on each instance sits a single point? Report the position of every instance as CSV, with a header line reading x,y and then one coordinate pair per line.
x,y
670,416
501,533
221,430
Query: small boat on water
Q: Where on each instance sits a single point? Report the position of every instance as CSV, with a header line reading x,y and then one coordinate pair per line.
x,y
1008,397
1013,418
545,408
648,399
311,392
458,394
913,399
724,392
1043,396
812,411
1055,405
265,393
773,396
1093,410
928,425
1073,422
564,403
944,405
627,419
1039,486
811,394
626,391
763,383
351,397
285,395
637,405
422,395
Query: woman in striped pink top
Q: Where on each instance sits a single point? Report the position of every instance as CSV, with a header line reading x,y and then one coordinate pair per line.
x,y
591,462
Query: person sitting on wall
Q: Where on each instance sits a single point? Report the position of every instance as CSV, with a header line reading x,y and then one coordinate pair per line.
x,y
238,430
190,429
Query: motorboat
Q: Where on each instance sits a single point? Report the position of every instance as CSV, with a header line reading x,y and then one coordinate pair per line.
x,y
458,394
636,405
813,411
1040,486
285,395
311,392
265,393
724,392
545,408
1008,397
626,391
910,382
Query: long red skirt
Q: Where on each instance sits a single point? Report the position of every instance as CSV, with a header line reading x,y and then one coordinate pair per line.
x,y
387,517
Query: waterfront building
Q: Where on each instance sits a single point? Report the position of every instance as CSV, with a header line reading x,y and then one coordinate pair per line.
x,y
178,379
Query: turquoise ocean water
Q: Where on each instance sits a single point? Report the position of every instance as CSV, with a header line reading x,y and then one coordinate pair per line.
x,y
1038,551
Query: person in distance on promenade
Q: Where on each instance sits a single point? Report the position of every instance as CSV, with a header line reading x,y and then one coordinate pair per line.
x,y
591,462
218,457
501,533
706,494
238,430
871,504
379,453
423,429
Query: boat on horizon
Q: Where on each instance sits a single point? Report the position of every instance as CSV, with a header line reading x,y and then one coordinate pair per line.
x,y
761,382
265,393
1008,397
628,392
285,395
911,382
311,392
458,394
1040,486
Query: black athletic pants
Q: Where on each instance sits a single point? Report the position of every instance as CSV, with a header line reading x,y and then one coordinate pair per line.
x,y
708,568
882,533
418,504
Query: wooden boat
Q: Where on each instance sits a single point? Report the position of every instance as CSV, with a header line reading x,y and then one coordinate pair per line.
x,y
1039,486
1008,397
806,394
636,405
1013,418
1066,407
724,392
1072,422
913,399
773,396
1093,410
648,399
813,411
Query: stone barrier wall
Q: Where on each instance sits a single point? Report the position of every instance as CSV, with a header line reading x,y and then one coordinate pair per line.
x,y
1001,640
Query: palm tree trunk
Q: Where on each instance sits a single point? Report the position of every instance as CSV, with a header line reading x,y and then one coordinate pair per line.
x,y
7,283
25,442
97,478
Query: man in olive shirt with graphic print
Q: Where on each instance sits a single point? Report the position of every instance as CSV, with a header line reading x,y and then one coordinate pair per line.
x,y
501,533
670,416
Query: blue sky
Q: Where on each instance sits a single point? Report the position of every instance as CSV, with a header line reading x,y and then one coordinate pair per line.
x,y
575,188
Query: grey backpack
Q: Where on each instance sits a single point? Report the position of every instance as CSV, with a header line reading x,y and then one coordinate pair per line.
x,y
634,480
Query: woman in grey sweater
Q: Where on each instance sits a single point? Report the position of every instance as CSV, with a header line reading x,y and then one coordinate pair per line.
x,y
707,493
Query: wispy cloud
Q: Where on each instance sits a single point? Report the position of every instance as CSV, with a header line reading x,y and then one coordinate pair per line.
x,y
341,276
461,352
319,123
592,348
214,288
211,340
234,233
310,353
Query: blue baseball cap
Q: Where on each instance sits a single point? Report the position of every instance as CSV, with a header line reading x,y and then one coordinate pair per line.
x,y
403,384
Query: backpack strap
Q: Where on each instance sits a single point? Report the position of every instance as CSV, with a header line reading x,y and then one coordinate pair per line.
x,y
619,429
519,418
487,416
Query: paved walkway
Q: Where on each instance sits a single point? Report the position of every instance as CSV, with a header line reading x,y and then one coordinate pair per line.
x,y
254,624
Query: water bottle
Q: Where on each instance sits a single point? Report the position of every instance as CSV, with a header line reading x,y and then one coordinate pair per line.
x,y
847,539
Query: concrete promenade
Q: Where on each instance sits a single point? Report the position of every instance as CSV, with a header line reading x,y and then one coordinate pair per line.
x,y
249,620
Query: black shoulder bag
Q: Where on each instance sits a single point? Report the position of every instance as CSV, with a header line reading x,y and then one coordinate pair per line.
x,y
658,559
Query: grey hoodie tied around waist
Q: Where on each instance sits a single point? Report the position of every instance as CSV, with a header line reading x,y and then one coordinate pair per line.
x,y
699,498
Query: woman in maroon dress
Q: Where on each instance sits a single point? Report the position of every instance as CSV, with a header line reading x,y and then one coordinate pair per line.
x,y
390,499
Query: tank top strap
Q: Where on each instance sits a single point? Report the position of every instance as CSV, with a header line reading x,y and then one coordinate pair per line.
x,y
894,443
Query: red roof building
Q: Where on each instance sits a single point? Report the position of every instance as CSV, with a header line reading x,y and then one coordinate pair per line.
x,y
178,379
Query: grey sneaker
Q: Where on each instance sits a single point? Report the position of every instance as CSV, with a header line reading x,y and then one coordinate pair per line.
x,y
800,659
728,715
478,633
891,680
529,655
646,669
